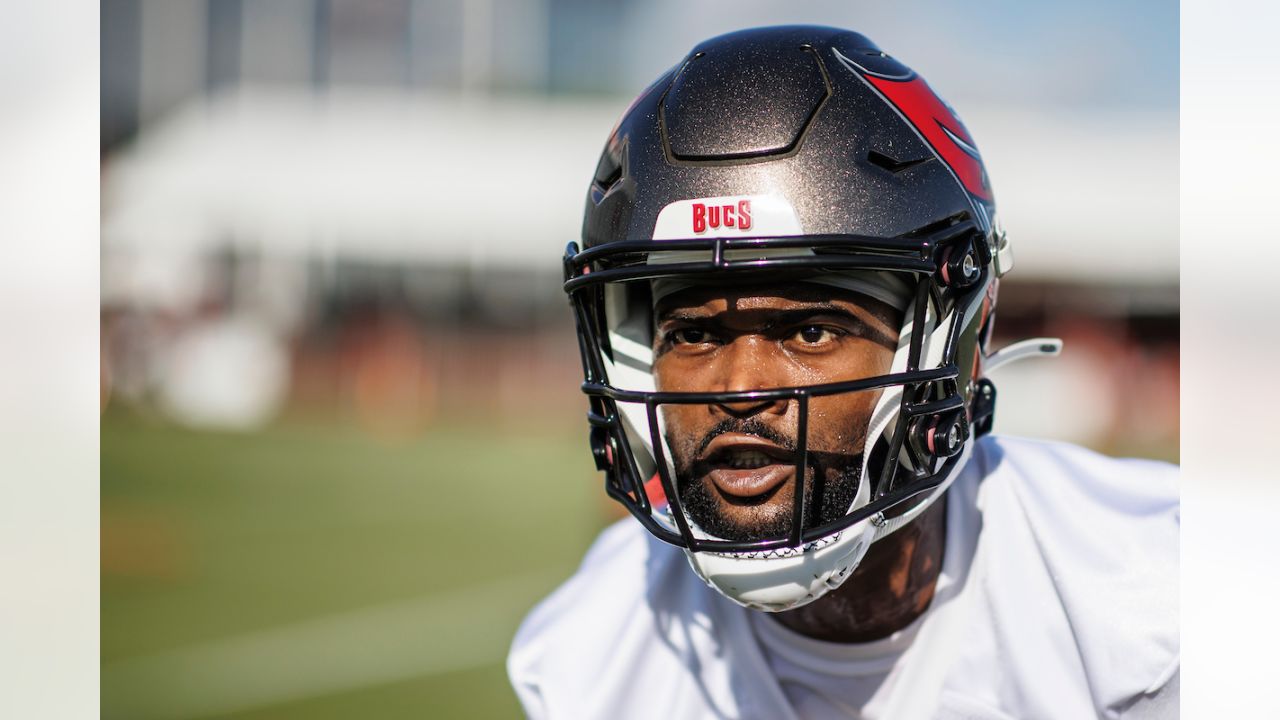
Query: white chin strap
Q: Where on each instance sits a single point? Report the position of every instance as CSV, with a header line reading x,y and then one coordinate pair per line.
x,y
788,578
1031,347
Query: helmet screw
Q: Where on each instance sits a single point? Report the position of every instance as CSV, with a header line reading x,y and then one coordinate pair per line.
x,y
948,436
940,435
960,267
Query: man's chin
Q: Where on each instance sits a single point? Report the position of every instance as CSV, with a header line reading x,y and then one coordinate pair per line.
x,y
754,517
739,518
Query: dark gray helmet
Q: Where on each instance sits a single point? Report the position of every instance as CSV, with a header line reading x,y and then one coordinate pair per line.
x,y
775,153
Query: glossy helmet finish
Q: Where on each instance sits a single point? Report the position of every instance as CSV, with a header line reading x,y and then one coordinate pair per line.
x,y
776,153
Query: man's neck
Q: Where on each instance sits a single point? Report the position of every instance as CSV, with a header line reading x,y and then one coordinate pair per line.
x,y
891,587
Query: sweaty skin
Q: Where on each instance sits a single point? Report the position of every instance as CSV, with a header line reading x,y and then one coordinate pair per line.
x,y
734,460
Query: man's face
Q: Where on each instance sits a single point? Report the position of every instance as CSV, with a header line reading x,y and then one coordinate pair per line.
x,y
735,461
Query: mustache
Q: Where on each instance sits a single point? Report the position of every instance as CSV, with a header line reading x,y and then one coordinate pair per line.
x,y
745,426
693,465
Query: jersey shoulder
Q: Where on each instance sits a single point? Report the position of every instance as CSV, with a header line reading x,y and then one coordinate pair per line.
x,y
629,616
613,557
1103,534
1047,471
616,560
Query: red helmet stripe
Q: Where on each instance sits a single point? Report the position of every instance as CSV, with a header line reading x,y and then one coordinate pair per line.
x,y
934,120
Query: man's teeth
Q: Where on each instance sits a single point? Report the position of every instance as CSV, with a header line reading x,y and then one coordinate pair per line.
x,y
747,460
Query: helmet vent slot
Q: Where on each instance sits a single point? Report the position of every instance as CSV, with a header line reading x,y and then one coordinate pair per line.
x,y
608,172
610,179
893,165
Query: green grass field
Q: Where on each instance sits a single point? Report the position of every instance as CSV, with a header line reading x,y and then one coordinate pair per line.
x,y
311,571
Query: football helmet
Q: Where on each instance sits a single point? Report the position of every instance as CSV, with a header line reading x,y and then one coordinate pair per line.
x,y
792,153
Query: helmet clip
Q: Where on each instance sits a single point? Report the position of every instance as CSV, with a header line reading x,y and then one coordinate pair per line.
x,y
960,266
941,435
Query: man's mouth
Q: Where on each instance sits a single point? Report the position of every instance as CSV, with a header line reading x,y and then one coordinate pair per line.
x,y
747,469
747,460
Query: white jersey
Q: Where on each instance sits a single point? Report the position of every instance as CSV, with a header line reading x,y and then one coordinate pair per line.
x,y
1058,598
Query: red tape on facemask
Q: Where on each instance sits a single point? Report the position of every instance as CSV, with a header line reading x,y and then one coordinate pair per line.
x,y
653,489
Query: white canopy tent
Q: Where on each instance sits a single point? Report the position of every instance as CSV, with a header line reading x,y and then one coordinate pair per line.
x,y
380,175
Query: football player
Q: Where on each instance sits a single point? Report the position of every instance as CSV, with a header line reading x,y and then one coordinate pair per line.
x,y
784,298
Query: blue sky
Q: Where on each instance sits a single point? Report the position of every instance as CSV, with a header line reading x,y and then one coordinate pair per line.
x,y
1088,52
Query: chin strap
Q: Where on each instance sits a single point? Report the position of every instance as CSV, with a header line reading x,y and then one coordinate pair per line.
x,y
1031,347
983,407
983,416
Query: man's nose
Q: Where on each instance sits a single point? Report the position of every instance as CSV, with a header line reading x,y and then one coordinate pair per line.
x,y
750,363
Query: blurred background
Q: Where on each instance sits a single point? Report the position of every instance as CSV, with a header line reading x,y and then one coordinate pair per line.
x,y
342,446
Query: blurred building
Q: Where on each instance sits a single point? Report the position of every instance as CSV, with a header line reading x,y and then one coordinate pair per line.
x,y
359,206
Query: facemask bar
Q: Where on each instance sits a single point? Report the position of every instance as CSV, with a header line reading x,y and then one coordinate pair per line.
x,y
623,472
800,492
623,262
915,404
672,492
682,534
635,251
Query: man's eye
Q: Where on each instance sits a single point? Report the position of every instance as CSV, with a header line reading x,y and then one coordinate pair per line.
x,y
689,336
815,334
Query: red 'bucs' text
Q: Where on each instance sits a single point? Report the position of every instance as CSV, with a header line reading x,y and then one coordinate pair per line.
x,y
715,216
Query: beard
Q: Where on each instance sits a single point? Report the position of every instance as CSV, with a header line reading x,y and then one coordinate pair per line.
x,y
831,483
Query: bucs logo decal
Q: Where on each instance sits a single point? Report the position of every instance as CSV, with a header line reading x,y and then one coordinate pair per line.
x,y
726,216
933,119
716,215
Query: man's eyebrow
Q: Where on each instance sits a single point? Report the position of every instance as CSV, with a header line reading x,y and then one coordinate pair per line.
x,y
865,329
785,317
679,313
